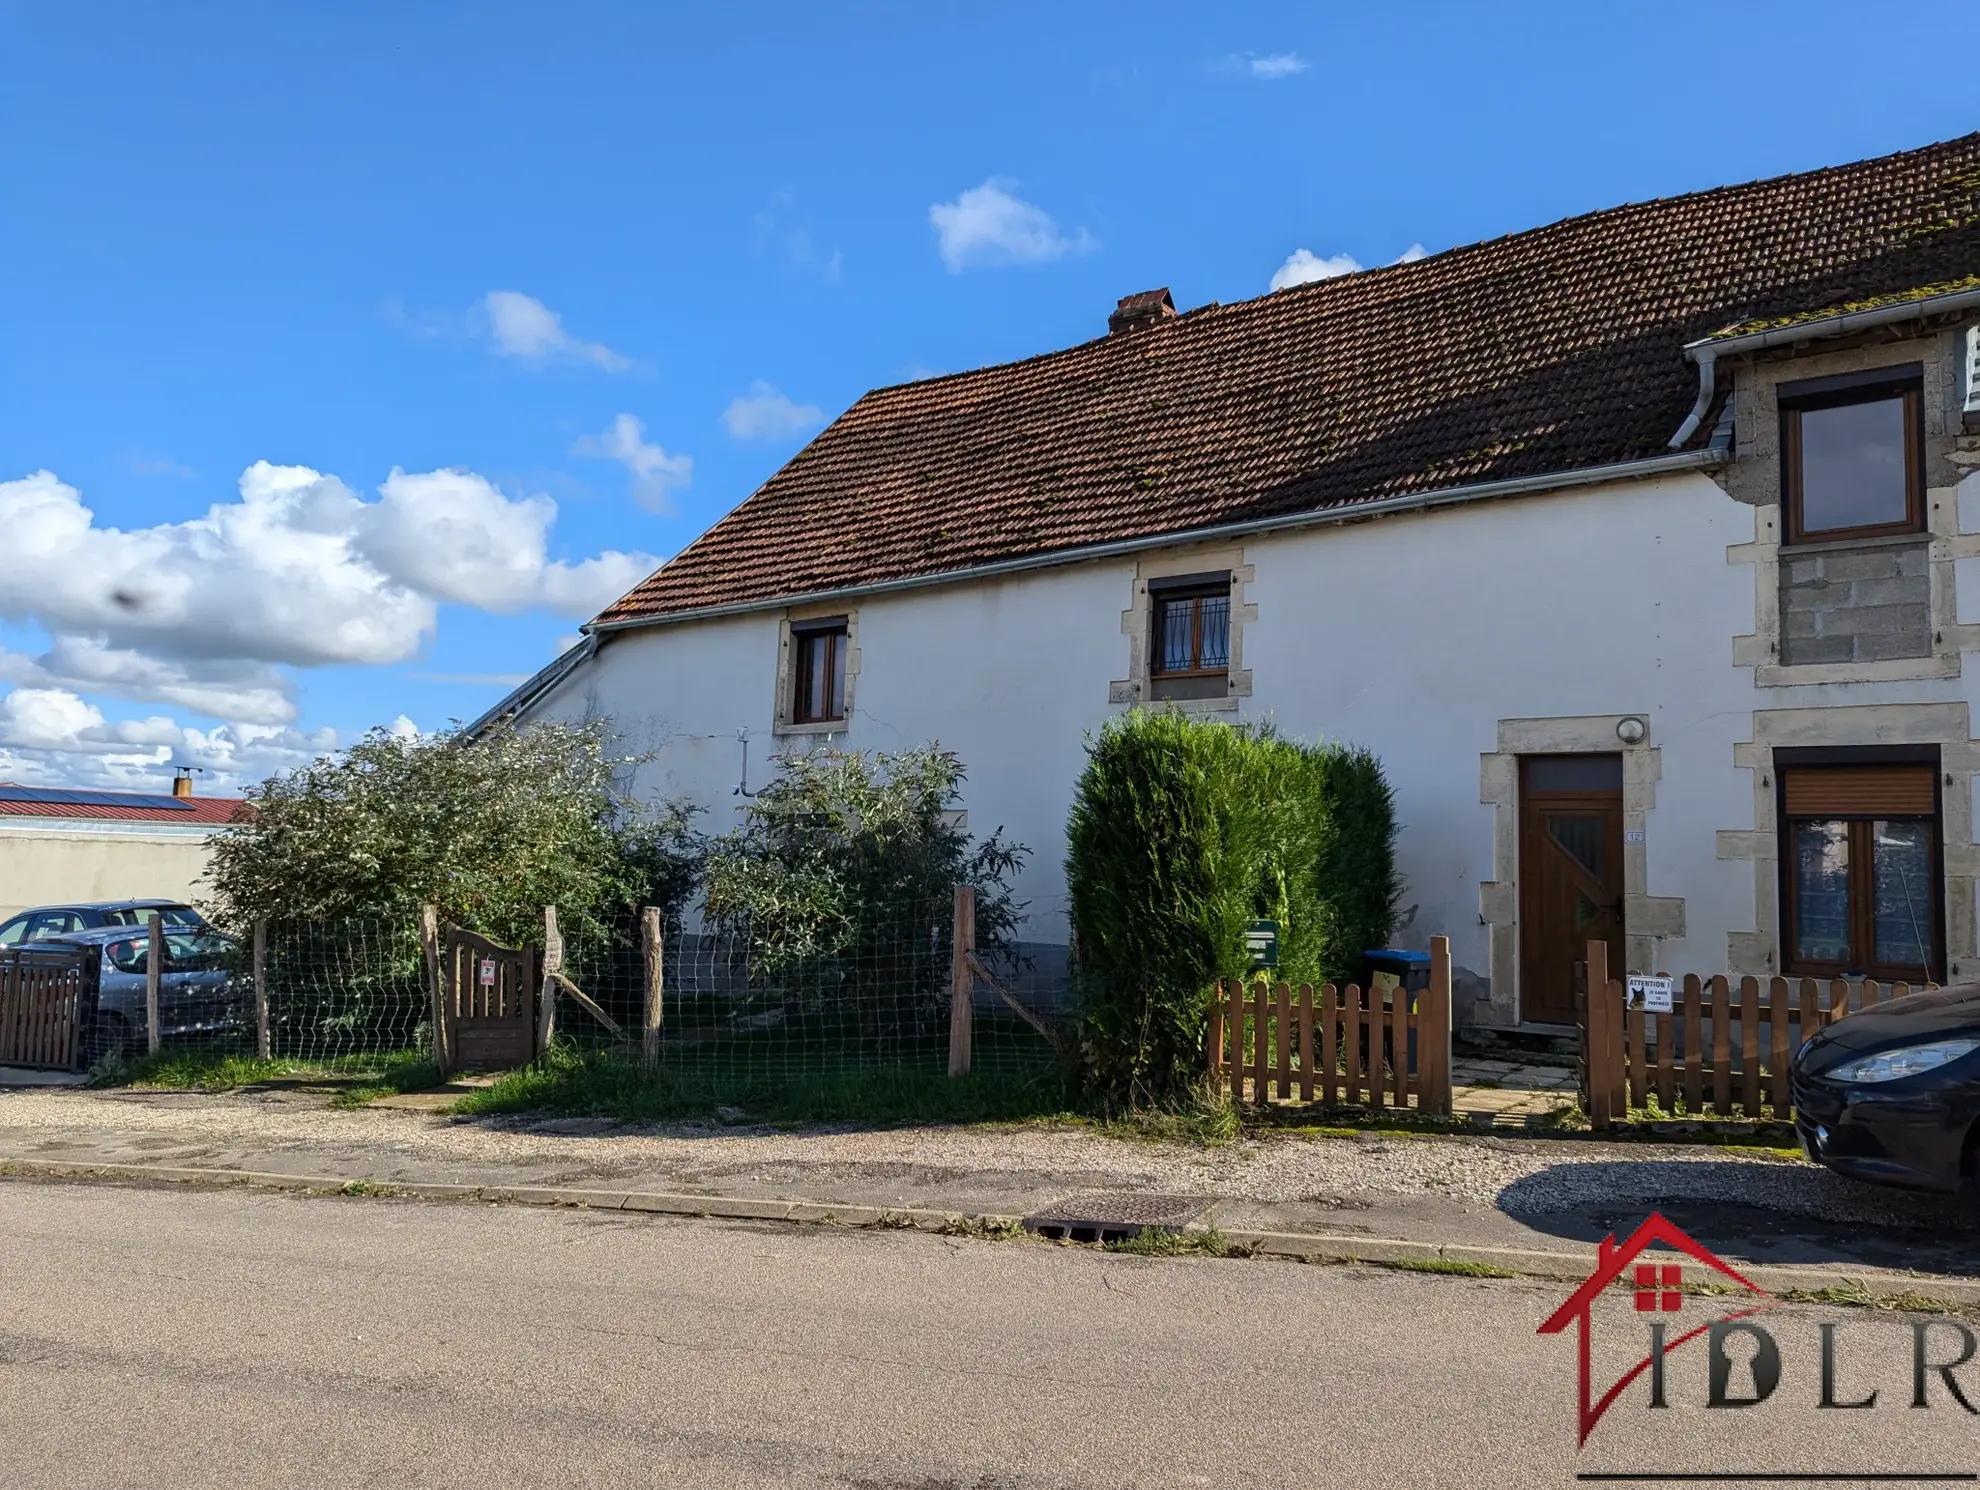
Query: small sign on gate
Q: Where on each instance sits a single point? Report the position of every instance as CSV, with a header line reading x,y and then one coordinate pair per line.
x,y
1651,995
487,972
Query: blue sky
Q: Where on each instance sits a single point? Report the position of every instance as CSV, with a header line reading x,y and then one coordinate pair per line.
x,y
585,274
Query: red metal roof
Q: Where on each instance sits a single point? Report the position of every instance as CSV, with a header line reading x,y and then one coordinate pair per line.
x,y
205,810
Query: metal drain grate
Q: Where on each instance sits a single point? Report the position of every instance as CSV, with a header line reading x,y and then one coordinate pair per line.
x,y
1114,1216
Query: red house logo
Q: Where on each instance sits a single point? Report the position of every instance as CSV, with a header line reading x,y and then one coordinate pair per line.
x,y
1659,1288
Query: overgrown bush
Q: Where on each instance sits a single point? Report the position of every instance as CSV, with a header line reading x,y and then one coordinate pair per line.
x,y
1182,831
845,867
1357,871
491,830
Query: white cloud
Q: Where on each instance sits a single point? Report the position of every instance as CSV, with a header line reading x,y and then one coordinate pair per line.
x,y
214,614
220,687
986,224
300,572
1270,69
1303,267
765,413
51,735
1280,65
656,475
523,327
451,535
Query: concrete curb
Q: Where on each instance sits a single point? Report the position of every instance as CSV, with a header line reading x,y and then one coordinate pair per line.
x,y
1294,1246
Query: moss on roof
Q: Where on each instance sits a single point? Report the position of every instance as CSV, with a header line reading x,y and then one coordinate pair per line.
x,y
1850,307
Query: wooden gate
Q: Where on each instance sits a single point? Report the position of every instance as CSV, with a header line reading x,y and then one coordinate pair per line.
x,y
43,994
488,1002
1328,1046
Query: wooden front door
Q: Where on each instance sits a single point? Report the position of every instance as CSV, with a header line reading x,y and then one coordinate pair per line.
x,y
1570,877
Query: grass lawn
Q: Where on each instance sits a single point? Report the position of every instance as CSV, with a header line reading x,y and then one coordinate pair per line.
x,y
361,1078
599,1084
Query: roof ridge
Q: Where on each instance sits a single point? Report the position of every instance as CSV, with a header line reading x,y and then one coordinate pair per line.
x,y
1551,349
1337,282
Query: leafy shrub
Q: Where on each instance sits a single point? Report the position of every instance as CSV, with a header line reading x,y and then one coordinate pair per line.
x,y
490,830
842,879
1181,832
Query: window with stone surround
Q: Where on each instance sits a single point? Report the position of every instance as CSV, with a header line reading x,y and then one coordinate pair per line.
x,y
818,673
1189,646
1853,456
1861,870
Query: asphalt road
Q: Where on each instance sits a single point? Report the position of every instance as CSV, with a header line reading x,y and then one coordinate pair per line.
x,y
153,1337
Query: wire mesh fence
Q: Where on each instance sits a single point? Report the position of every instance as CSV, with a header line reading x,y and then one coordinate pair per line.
x,y
347,995
876,994
736,1003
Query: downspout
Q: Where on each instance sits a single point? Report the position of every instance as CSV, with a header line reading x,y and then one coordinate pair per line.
x,y
1708,367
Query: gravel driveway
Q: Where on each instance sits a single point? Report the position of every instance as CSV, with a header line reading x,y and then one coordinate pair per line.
x,y
1497,1189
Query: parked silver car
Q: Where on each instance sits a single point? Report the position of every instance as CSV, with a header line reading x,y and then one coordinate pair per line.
x,y
200,986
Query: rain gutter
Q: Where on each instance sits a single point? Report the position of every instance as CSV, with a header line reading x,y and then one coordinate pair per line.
x,y
1708,350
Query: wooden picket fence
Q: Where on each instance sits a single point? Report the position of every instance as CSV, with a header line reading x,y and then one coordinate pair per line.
x,y
1335,1047
1725,1047
43,993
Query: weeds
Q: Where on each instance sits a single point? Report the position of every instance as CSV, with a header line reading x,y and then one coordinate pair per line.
x,y
1857,1295
364,1187
986,1228
1453,1267
1155,1242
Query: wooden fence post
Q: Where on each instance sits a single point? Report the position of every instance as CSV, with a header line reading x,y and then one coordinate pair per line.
x,y
154,967
261,1043
652,945
962,982
553,966
1433,1036
1595,1035
429,947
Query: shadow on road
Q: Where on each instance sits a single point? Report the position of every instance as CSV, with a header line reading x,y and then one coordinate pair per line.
x,y
1778,1213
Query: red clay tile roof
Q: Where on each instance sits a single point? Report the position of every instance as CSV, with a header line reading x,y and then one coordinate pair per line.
x,y
1545,351
205,810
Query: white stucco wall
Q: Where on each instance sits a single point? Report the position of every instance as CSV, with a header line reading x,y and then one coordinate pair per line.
x,y
1415,635
45,863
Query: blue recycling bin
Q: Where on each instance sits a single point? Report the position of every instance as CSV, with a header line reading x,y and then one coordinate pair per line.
x,y
1411,971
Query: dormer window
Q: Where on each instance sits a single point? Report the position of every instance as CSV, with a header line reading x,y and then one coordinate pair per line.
x,y
1853,456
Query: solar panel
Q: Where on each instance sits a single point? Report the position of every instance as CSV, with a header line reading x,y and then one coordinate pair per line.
x,y
62,797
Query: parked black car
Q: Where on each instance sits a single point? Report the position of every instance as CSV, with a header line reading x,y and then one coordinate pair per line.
x,y
1892,1094
47,921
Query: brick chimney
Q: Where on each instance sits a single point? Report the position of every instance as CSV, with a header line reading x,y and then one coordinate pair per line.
x,y
1140,310
182,782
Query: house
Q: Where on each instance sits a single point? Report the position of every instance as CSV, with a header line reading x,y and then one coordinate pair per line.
x,y
1640,546
59,846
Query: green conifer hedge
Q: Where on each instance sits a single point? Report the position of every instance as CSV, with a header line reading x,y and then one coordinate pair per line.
x,y
1183,831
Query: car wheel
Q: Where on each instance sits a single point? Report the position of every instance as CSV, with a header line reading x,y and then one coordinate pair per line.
x,y
109,1040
